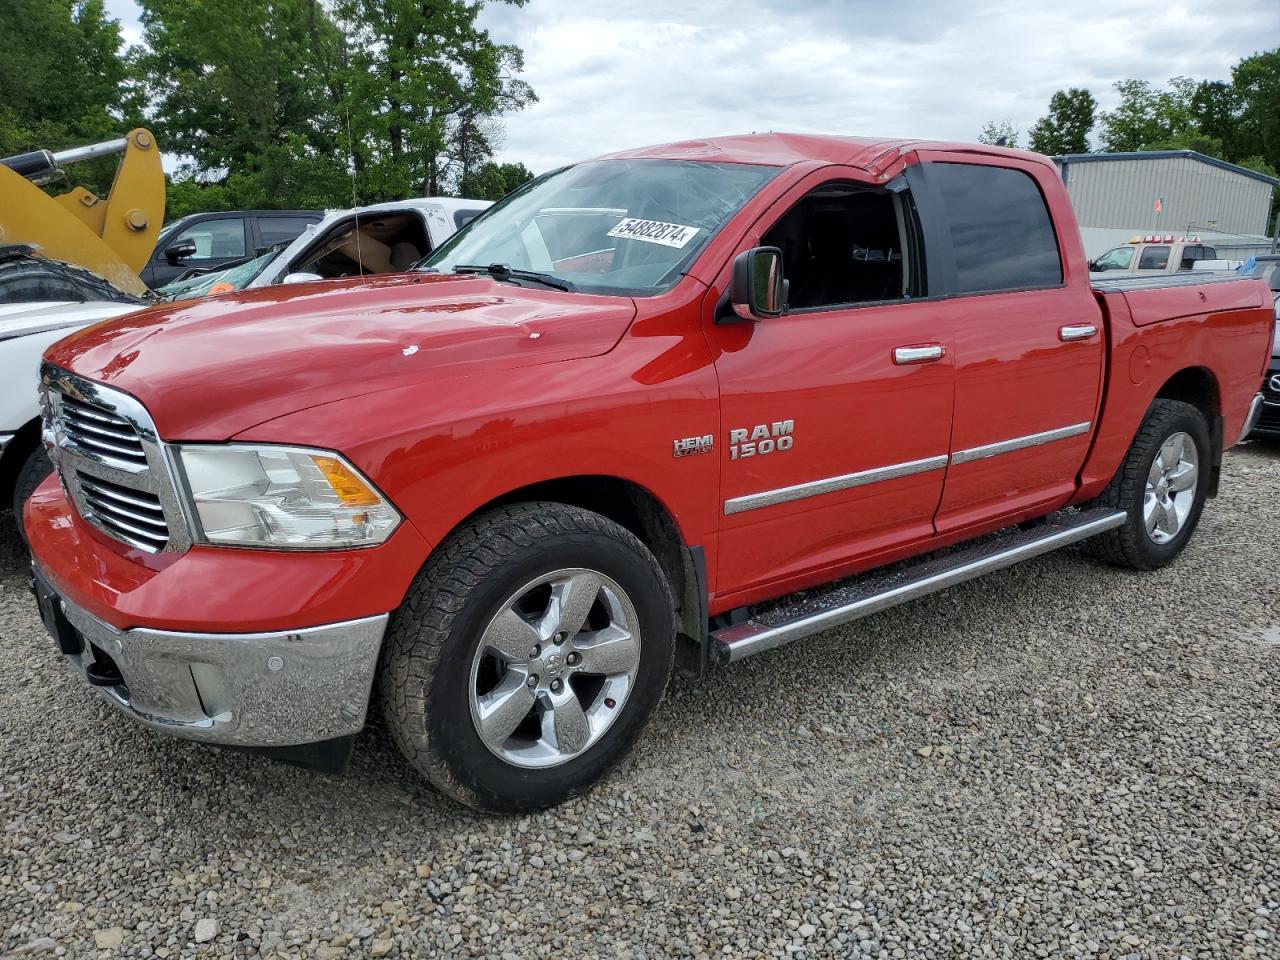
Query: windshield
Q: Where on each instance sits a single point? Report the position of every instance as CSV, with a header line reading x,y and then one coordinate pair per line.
x,y
607,226
236,278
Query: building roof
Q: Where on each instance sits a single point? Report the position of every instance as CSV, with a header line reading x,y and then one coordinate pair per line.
x,y
1068,158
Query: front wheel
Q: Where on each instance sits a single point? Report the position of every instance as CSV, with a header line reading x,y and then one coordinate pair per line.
x,y
1162,486
30,475
528,656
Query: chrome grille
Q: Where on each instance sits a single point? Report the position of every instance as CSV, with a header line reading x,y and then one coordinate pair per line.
x,y
133,516
101,432
112,463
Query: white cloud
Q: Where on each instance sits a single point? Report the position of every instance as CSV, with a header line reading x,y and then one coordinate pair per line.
x,y
630,73
634,72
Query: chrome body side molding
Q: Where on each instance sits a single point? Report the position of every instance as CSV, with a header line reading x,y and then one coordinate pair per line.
x,y
768,498
814,488
1019,443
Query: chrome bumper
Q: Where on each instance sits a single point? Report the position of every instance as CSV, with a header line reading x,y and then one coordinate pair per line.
x,y
243,689
1251,421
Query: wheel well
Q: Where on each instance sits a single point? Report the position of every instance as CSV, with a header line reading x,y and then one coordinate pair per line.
x,y
1198,387
634,508
24,441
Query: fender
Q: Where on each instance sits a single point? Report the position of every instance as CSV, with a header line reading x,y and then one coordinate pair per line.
x,y
1228,345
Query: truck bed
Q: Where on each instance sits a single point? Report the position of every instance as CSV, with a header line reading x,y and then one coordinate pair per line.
x,y
1153,299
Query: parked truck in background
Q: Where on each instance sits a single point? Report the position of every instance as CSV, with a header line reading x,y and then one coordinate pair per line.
x,y
615,424
1153,255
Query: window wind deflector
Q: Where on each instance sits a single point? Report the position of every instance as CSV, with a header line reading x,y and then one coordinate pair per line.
x,y
501,271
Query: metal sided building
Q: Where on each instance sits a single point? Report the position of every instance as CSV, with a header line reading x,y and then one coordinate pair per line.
x,y
1116,195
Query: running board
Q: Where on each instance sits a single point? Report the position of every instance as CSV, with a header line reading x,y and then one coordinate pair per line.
x,y
880,591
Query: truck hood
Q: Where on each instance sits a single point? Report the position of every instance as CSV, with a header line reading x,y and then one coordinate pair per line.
x,y
209,369
21,319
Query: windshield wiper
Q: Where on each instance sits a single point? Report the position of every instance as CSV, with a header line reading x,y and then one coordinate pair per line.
x,y
502,271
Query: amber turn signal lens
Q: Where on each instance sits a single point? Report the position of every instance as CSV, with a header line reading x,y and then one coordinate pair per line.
x,y
351,490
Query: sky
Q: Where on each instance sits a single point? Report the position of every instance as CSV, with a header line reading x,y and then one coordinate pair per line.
x,y
632,72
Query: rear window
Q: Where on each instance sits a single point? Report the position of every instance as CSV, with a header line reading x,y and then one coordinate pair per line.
x,y
281,229
1154,258
464,216
1001,230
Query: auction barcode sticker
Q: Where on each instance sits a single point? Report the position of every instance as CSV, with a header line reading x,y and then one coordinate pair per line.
x,y
654,231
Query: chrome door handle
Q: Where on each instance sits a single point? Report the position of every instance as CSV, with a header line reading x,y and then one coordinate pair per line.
x,y
922,354
1081,331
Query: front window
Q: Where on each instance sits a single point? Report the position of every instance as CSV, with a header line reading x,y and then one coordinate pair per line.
x,y
607,226
1118,258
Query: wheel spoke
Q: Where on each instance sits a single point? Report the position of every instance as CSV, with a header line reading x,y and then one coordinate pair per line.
x,y
503,708
571,600
1171,452
569,728
1168,519
511,636
1183,477
608,651
1152,512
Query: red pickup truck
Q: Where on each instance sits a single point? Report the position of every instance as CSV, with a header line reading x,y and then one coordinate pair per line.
x,y
605,432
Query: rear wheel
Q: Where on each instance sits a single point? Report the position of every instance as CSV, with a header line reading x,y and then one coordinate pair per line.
x,y
528,656
1161,486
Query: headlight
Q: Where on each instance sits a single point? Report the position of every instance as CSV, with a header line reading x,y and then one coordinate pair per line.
x,y
267,496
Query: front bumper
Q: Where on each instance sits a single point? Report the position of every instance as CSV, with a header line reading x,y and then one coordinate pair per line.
x,y
241,689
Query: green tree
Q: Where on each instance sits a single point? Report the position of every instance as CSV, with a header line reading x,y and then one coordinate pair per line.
x,y
1065,128
1256,82
65,81
421,79
999,133
493,181
1147,116
247,90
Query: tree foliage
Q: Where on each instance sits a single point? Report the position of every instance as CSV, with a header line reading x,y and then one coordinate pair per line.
x,y
1066,127
493,181
999,133
64,80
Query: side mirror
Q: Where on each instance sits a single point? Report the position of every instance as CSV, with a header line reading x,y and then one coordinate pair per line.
x,y
757,290
179,251
1092,266
301,277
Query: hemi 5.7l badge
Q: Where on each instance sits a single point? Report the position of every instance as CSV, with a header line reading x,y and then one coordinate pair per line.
x,y
690,445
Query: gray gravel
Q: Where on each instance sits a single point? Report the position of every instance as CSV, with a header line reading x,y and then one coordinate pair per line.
x,y
1061,760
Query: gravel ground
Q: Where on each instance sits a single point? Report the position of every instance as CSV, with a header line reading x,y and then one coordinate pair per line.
x,y
1062,759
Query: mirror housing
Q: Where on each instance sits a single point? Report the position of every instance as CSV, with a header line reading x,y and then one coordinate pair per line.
x,y
302,277
179,251
757,290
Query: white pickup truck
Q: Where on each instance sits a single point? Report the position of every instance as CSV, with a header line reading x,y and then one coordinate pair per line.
x,y
1152,254
381,238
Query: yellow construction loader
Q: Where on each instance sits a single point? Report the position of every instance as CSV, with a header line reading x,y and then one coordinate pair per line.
x,y
112,236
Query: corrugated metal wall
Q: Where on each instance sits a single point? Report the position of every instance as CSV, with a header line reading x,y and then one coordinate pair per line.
x,y
1122,194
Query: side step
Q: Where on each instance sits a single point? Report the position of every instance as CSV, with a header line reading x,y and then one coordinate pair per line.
x,y
864,596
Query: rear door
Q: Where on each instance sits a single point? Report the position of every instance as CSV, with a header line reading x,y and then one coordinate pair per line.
x,y
1027,336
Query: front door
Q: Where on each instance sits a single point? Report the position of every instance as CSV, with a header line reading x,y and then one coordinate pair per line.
x,y
836,417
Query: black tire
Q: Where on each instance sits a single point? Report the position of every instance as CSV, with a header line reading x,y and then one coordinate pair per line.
x,y
1130,545
30,475
425,674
